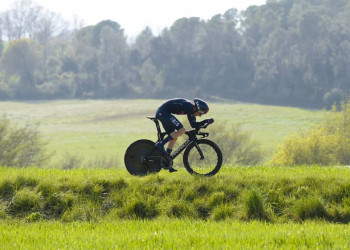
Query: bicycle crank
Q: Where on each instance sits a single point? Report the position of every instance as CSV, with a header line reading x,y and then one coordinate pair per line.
x,y
166,162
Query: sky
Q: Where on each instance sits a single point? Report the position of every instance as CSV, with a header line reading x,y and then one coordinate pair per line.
x,y
134,15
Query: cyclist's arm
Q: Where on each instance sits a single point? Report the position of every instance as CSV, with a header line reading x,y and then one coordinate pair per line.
x,y
195,124
202,123
192,120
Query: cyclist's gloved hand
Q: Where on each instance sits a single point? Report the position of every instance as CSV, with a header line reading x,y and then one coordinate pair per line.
x,y
203,123
210,120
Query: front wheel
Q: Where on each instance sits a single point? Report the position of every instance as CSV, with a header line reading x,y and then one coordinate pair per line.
x,y
206,163
136,158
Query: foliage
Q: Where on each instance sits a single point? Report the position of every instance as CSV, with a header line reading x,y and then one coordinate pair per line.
x,y
1,44
254,206
70,161
24,201
285,52
270,194
237,145
315,147
310,208
20,147
22,59
328,144
338,125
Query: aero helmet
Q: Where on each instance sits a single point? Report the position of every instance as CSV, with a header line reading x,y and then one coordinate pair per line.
x,y
201,106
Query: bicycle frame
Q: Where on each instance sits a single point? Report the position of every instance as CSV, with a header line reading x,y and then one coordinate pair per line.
x,y
160,134
181,148
192,137
142,157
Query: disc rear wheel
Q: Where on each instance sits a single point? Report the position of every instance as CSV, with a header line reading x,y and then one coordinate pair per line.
x,y
137,157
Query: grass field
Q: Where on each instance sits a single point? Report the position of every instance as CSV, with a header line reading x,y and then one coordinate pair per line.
x,y
242,207
173,234
273,194
96,130
108,208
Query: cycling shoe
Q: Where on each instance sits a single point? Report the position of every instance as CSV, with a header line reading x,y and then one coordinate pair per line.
x,y
171,170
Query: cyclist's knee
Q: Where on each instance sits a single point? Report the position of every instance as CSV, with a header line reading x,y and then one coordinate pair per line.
x,y
178,133
182,131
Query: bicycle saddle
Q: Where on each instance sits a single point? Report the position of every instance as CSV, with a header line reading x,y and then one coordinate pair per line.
x,y
152,118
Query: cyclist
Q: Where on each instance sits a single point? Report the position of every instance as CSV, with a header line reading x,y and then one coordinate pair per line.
x,y
173,126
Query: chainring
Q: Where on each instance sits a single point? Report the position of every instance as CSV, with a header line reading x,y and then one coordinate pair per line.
x,y
166,162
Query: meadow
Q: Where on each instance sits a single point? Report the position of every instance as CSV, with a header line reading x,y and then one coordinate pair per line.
x,y
241,207
173,234
96,132
100,205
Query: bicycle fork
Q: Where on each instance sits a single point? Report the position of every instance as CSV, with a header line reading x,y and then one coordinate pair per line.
x,y
199,150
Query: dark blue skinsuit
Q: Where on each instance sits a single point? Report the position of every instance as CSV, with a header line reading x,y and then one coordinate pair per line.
x,y
176,106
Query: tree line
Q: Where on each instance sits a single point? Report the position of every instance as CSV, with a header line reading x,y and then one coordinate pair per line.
x,y
293,52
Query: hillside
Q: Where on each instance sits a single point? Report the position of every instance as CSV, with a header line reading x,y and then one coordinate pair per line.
x,y
273,194
96,132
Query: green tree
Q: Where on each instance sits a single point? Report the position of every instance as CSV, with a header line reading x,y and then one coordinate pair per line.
x,y
1,42
224,57
50,25
112,61
100,52
140,61
296,47
148,74
23,59
178,51
142,47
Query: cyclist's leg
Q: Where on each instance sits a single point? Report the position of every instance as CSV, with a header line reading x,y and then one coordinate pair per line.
x,y
176,134
172,127
169,125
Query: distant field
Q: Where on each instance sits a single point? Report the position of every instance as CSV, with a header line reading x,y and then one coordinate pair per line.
x,y
96,130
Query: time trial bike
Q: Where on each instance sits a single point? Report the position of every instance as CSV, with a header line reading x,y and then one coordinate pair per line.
x,y
201,156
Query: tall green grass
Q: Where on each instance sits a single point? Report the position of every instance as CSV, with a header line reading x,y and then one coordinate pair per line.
x,y
271,194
